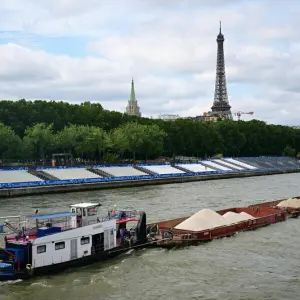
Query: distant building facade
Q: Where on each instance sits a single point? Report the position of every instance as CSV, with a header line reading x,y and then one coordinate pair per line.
x,y
133,108
211,117
168,117
208,117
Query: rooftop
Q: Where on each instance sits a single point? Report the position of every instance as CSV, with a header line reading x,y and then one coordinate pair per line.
x,y
85,205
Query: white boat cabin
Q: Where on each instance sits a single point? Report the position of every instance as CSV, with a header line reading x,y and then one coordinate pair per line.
x,y
86,214
61,237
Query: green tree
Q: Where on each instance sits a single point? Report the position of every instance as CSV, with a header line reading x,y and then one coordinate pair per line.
x,y
94,141
152,141
232,137
83,141
66,139
39,140
10,143
289,151
128,137
87,130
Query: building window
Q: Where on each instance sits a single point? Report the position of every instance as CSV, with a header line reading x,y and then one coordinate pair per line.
x,y
60,245
85,241
41,249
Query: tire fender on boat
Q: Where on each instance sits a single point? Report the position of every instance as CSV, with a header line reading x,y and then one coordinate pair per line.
x,y
29,269
129,240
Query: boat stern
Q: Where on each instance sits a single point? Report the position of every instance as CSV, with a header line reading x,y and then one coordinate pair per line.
x,y
12,264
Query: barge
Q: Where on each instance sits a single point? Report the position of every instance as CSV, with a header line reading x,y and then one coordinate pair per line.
x,y
46,243
168,234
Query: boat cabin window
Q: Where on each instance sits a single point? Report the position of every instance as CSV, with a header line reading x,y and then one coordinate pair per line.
x,y
84,212
41,249
92,211
112,232
59,245
73,210
85,240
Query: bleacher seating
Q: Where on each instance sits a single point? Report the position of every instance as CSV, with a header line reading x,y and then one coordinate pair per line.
x,y
163,169
231,165
195,167
293,163
7,176
71,173
240,163
217,166
286,161
19,177
121,171
270,162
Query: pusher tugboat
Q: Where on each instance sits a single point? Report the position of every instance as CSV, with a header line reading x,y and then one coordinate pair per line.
x,y
46,243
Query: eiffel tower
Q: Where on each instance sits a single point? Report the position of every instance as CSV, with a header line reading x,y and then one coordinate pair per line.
x,y
221,105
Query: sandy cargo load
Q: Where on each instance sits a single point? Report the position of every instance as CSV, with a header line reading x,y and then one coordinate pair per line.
x,y
208,219
291,202
202,220
233,217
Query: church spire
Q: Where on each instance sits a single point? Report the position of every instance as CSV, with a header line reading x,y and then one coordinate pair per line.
x,y
132,93
132,106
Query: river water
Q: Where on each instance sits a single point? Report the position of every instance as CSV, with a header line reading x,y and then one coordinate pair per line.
x,y
262,264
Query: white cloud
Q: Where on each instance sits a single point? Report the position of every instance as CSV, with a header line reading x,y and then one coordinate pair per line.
x,y
168,47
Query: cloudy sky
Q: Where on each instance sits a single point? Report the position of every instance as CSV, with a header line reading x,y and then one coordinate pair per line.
x,y
88,50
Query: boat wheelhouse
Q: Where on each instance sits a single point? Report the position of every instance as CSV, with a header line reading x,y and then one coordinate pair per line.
x,y
42,243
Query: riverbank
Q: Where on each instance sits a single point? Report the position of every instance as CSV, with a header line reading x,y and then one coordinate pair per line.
x,y
68,188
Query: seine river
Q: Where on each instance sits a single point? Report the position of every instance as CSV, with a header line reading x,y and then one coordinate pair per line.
x,y
263,264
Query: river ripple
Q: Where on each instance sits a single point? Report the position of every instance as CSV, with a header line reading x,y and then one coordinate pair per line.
x,y
263,264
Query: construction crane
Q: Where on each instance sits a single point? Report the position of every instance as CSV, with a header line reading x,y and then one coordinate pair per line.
x,y
239,113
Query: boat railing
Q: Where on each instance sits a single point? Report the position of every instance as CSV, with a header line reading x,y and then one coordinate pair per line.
x,y
117,215
125,214
14,223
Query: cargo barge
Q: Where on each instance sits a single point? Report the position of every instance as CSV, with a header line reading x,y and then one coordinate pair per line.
x,y
169,233
47,243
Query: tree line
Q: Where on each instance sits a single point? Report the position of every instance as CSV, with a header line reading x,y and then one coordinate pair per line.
x,y
35,130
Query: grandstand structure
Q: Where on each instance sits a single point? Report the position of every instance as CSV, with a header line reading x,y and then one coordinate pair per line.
x,y
24,177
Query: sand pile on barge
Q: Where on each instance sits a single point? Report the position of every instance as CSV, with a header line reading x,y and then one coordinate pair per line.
x,y
246,216
291,202
208,219
232,217
202,220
